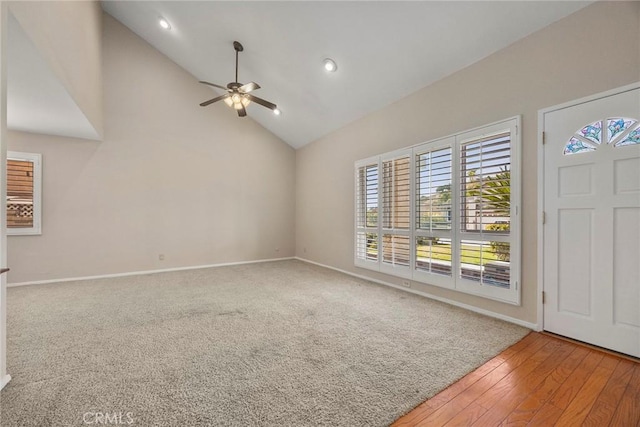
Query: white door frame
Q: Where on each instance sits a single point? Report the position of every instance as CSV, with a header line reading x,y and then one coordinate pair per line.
x,y
541,114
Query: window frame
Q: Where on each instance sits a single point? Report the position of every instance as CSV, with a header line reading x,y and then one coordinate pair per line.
x,y
36,159
366,263
392,268
419,275
512,295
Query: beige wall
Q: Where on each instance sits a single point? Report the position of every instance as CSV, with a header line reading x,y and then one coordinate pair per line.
x,y
591,51
202,186
199,185
68,35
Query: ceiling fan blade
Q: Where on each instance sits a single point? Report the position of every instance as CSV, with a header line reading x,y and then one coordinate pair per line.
x,y
262,102
242,112
217,98
214,85
249,87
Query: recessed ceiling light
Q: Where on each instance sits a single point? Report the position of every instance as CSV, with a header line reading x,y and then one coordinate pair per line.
x,y
276,111
164,23
330,65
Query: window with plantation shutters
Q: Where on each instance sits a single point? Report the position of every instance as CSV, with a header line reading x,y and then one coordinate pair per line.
x,y
433,207
23,193
485,206
366,243
445,212
396,213
488,231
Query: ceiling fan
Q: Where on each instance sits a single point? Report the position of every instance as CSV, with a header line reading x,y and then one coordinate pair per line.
x,y
238,96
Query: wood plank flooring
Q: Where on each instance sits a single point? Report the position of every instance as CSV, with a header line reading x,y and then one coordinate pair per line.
x,y
539,381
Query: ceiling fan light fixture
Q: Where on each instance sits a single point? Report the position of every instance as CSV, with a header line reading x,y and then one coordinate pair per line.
x,y
330,65
237,95
237,101
164,24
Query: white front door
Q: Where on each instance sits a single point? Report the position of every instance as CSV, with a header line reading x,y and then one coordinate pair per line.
x,y
592,221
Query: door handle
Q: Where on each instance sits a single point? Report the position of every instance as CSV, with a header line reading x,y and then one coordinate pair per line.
x,y
4,270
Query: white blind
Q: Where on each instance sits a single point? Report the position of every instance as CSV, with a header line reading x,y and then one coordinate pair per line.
x,y
485,201
433,211
367,212
445,212
396,212
433,190
396,249
396,194
367,197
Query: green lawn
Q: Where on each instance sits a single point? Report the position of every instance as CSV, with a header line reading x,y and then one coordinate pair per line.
x,y
443,253
469,253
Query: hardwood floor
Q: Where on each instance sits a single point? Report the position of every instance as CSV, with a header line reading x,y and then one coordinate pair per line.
x,y
539,381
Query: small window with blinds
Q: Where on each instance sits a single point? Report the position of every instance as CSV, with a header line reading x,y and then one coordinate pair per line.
x,y
396,212
485,202
433,207
23,193
367,213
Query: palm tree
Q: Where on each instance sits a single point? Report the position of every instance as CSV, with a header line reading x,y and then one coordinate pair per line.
x,y
495,196
495,192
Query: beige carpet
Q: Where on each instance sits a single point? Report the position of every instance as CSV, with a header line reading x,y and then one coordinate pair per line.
x,y
274,344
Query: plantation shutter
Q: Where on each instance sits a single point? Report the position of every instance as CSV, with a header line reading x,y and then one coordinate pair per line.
x,y
485,210
445,212
396,214
434,213
367,232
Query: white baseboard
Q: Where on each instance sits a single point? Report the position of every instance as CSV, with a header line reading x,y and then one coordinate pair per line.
x,y
509,319
138,273
4,381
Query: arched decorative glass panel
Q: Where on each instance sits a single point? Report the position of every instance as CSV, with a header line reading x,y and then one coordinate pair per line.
x,y
617,126
632,138
620,131
575,146
592,132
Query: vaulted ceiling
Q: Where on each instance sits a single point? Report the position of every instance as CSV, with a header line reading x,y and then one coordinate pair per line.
x,y
36,100
384,50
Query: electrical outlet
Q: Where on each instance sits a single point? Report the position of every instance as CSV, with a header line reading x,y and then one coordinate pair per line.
x,y
406,284
277,249
304,250
161,257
